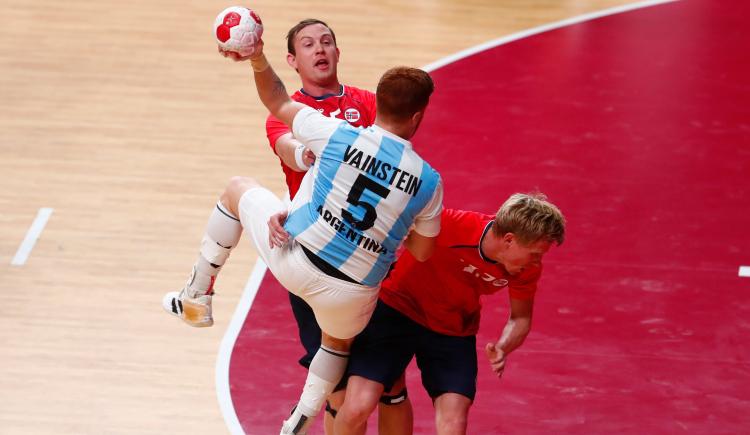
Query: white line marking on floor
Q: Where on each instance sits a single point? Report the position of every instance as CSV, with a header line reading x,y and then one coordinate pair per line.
x,y
540,29
227,345
31,236
745,271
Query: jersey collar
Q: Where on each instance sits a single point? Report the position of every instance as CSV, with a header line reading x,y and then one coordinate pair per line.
x,y
479,247
385,132
324,96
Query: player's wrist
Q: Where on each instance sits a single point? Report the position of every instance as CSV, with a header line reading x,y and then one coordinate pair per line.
x,y
299,157
259,63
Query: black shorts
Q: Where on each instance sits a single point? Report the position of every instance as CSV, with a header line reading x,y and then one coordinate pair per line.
x,y
309,331
448,364
384,349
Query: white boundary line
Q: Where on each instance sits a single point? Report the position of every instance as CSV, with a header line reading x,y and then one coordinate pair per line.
x,y
227,344
744,271
251,288
541,29
32,236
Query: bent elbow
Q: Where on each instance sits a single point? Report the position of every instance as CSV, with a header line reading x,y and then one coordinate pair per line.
x,y
423,255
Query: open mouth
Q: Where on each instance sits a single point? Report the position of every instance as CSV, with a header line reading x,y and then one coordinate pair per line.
x,y
322,64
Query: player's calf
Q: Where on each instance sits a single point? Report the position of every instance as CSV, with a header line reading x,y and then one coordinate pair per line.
x,y
193,303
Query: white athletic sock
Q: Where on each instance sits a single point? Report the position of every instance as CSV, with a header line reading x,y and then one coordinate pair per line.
x,y
222,235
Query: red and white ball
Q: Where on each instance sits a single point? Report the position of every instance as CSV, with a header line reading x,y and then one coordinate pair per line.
x,y
237,29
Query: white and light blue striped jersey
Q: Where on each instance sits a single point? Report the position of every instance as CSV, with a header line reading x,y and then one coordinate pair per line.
x,y
367,189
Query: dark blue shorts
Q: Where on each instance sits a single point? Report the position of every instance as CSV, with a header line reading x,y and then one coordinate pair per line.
x,y
309,331
448,364
384,349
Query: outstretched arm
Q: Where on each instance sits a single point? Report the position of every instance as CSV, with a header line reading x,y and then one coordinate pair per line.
x,y
270,88
514,333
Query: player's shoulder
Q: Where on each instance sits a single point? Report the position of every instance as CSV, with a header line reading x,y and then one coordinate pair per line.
x,y
360,97
300,96
465,218
461,227
355,91
309,122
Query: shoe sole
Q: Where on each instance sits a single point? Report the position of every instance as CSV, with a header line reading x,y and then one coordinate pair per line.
x,y
190,313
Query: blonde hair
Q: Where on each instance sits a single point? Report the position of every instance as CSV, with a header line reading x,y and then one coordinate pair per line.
x,y
531,218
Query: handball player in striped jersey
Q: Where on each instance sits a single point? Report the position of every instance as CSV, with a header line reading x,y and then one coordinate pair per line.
x,y
368,194
313,52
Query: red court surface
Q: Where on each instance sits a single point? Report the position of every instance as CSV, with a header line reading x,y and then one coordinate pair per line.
x,y
637,125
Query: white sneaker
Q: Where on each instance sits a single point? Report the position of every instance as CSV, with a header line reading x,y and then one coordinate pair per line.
x,y
193,311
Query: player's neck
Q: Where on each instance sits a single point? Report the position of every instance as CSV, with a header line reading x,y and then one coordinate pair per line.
x,y
491,246
402,130
316,90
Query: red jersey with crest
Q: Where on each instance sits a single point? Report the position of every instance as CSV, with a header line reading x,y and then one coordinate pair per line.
x,y
443,293
352,104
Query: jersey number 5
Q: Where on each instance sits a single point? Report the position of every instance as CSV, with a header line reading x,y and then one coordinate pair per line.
x,y
361,184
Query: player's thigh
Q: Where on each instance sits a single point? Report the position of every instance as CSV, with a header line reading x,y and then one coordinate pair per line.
x,y
256,206
448,364
383,350
342,309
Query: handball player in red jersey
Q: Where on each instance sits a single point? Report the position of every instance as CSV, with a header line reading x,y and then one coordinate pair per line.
x,y
313,53
430,310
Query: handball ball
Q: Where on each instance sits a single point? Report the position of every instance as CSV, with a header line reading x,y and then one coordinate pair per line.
x,y
237,29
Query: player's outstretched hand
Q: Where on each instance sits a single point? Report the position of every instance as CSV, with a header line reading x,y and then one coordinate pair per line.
x,y
252,51
277,235
496,356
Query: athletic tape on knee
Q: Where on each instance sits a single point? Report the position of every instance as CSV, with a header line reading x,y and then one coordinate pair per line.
x,y
314,394
326,370
395,399
213,252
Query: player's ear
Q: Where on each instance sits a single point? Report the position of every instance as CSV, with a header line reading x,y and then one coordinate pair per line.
x,y
417,117
291,60
508,238
338,54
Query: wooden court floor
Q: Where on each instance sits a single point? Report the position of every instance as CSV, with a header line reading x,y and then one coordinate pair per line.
x,y
121,117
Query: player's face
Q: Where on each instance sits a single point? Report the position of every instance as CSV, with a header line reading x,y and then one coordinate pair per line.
x,y
517,256
316,55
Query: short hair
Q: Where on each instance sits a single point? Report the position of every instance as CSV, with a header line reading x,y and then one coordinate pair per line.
x,y
403,91
292,33
530,217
